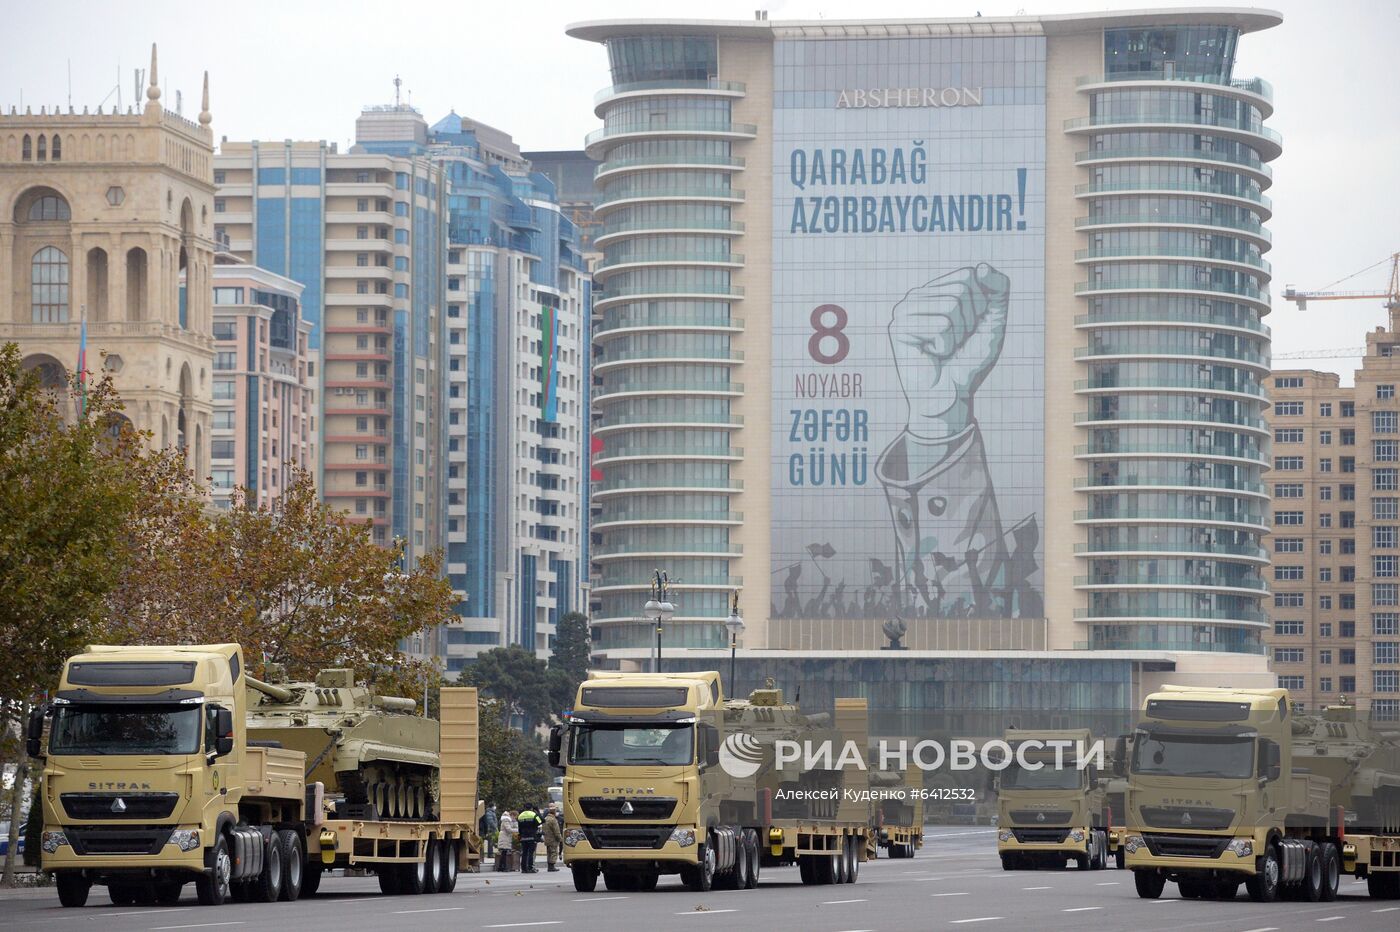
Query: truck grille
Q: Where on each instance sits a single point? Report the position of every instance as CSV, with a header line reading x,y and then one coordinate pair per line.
x,y
1184,846
1187,817
648,808
1033,816
628,836
1041,836
143,839
131,806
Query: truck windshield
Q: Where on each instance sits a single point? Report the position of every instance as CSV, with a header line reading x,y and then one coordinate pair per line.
x,y
1048,777
620,745
1176,755
125,729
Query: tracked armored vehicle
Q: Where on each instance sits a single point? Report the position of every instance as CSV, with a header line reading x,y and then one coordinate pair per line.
x,y
1361,761
374,752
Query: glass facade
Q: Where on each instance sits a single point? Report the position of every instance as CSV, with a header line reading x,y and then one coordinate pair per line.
x,y
1174,349
663,359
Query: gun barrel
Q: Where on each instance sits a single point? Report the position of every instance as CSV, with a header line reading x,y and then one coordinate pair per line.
x,y
280,693
395,704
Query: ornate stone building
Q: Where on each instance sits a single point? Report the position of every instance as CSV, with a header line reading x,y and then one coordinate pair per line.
x,y
109,217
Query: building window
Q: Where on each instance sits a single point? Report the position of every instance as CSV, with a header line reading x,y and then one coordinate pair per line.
x,y
1385,509
1385,623
1288,545
49,207
1346,684
1288,572
1348,545
1347,437
1324,493
1324,546
1324,629
1385,566
225,330
1294,683
1288,627
1324,465
1289,435
1324,409
1289,381
1288,600
1348,409
1385,710
1384,422
1324,657
1288,490
1385,392
1288,409
1324,437
1288,654
1288,518
1385,479
1324,519
1324,574
1381,594
48,284
1387,652
1348,519
225,360
1348,493
223,389
219,205
1288,463
1347,656
1383,536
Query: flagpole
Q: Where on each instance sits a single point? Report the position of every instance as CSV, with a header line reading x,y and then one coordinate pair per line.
x,y
82,362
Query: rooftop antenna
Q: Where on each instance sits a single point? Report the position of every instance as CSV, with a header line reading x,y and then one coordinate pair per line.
x,y
179,103
397,82
70,84
140,80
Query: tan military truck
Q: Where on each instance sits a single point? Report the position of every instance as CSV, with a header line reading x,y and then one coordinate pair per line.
x,y
150,782
1051,805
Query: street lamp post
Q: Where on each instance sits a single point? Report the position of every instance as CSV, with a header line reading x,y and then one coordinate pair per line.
x,y
735,624
659,609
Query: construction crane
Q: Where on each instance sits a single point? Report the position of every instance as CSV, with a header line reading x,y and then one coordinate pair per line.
x,y
1342,353
1391,296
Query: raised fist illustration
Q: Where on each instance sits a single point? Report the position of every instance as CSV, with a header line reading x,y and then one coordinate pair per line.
x,y
946,336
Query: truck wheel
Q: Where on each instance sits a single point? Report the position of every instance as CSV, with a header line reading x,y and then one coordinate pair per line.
x,y
741,861
839,864
752,853
701,877
805,869
1263,886
432,867
853,871
1120,857
1149,884
1226,890
120,894
311,880
389,879
1331,871
447,852
267,886
168,892
1008,862
1385,886
73,888
1191,889
824,868
413,878
1083,862
1311,889
212,887
585,878
293,864
647,882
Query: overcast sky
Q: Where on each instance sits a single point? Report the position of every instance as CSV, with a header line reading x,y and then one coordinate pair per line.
x,y
301,69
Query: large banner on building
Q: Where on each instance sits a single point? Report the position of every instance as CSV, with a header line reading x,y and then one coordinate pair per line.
x,y
908,328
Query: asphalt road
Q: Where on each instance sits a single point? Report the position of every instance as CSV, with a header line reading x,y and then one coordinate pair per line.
x,y
955,883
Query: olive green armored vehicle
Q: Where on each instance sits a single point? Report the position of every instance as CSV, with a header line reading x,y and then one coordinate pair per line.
x,y
1361,760
374,752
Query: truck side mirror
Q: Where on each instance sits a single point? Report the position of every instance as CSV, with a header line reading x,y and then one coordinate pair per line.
x,y
1270,760
223,732
709,745
1120,756
34,735
556,744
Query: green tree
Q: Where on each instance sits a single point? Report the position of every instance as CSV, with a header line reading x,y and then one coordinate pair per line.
x,y
514,771
568,665
515,677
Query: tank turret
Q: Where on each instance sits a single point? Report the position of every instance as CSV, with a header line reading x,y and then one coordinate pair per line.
x,y
1361,761
373,751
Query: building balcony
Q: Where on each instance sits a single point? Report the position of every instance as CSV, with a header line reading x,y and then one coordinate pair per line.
x,y
662,260
1193,386
652,322
642,294
1171,515
1230,323
733,357
1155,418
723,583
597,143
1257,297
666,452
1174,644
618,167
357,329
1232,585
613,232
360,218
609,201
1168,451
357,465
1135,350
621,551
1251,554
1252,230
1267,142
1252,165
1247,263
614,487
671,87
360,272
1240,617
370,384
669,517
672,421
1132,483
1256,91
674,386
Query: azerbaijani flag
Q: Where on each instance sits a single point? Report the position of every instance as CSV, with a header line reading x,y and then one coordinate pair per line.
x,y
82,366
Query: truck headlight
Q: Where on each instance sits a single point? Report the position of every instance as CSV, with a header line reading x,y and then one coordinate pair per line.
x,y
186,839
1004,835
1076,835
685,837
573,836
1133,843
52,841
1241,847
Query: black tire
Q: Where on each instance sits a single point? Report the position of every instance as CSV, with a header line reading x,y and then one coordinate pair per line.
x,y
73,888
413,878
1263,886
614,882
240,892
647,882
168,892
1310,889
1149,884
447,852
839,864
741,861
1083,862
824,868
389,879
1191,889
585,877
804,869
432,867
267,886
293,865
1225,890
1120,857
1008,862
213,887
1331,872
853,869
121,894
311,880
755,859
1383,886
701,878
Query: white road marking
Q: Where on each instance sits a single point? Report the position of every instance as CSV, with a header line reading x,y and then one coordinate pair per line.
x,y
1264,929
958,922
440,909
598,899
948,894
1037,888
706,912
1388,909
1109,883
1330,918
147,912
517,925
839,902
197,925
1164,901
1081,909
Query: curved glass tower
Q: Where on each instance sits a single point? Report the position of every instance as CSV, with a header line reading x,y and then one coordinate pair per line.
x,y
1174,353
663,360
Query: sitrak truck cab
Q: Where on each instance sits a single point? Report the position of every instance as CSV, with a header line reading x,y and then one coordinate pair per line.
x,y
150,782
662,775
1051,810
1229,786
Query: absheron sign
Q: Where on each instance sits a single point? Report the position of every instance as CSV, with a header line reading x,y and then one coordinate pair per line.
x,y
880,97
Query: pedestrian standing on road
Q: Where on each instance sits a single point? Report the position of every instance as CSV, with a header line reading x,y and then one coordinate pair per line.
x,y
506,842
489,825
553,836
529,831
